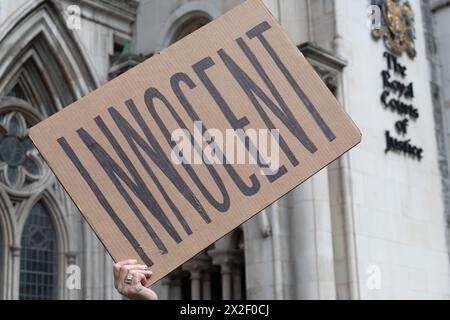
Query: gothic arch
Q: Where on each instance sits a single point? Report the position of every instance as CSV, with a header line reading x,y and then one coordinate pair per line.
x,y
52,241
55,211
8,195
42,69
49,200
38,45
17,199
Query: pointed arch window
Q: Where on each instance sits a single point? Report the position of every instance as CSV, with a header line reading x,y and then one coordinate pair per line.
x,y
39,259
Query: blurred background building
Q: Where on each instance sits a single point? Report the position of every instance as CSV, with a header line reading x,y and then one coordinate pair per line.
x,y
374,224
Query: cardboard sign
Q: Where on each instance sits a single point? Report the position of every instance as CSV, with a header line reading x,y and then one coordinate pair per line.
x,y
133,155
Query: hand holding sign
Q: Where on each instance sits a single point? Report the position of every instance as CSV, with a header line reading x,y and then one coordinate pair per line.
x,y
112,150
130,279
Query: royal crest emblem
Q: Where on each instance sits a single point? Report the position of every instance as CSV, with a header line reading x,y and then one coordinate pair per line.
x,y
397,26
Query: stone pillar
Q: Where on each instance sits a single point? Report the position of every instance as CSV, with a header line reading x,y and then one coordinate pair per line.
x,y
196,266
206,285
226,259
237,282
225,271
164,289
196,291
15,276
311,242
259,259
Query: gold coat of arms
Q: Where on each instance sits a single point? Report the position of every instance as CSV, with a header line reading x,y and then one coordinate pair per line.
x,y
397,26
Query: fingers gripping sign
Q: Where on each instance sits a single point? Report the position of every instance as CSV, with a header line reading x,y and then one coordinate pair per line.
x,y
130,279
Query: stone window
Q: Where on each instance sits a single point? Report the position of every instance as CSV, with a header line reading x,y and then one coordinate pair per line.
x,y
38,261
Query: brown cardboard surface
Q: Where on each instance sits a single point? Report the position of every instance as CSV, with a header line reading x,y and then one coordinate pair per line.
x,y
239,70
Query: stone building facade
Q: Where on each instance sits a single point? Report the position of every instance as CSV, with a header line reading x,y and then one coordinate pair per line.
x,y
370,225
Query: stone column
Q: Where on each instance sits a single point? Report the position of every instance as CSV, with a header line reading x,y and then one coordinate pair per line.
x,y
225,271
259,259
237,282
206,285
196,266
164,289
311,242
225,259
15,277
196,292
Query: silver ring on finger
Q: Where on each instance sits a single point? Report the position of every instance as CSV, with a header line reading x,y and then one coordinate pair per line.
x,y
129,278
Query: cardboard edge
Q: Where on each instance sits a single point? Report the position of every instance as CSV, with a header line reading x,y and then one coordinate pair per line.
x,y
283,195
